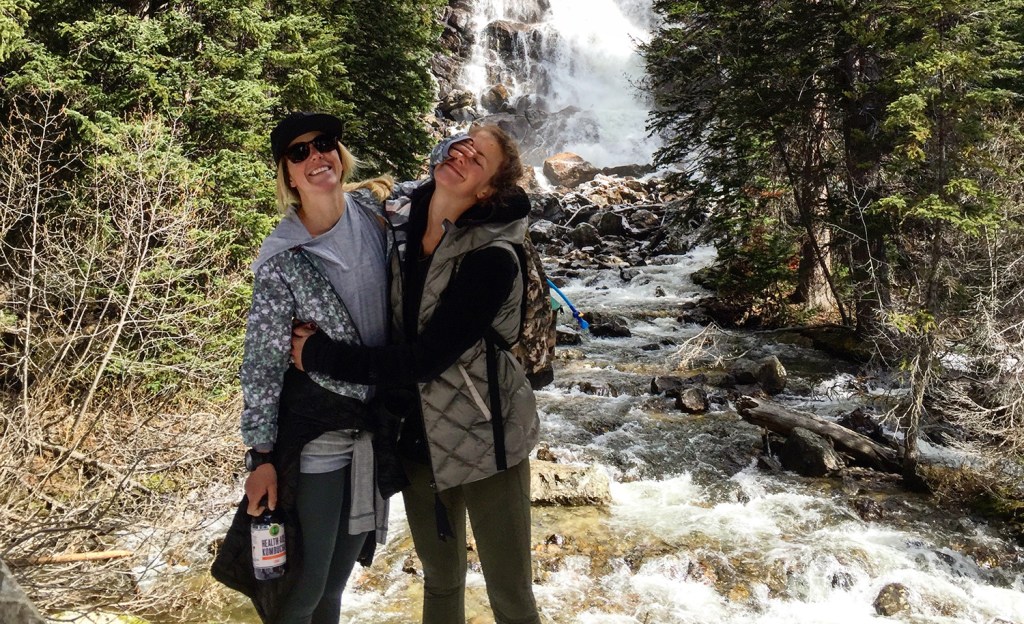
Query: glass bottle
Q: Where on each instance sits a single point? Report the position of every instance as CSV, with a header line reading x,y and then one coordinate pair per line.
x,y
268,546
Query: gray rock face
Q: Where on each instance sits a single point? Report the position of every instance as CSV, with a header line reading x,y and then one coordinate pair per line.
x,y
570,485
516,125
644,219
453,100
543,231
514,40
15,607
809,454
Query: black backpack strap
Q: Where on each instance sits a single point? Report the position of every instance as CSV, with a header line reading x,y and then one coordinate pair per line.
x,y
492,342
497,424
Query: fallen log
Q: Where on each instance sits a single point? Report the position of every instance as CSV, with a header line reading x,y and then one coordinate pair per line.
x,y
862,449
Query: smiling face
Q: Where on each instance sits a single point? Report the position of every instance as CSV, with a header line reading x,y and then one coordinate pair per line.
x,y
319,173
471,177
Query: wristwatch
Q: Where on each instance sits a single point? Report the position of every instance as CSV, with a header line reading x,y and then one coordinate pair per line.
x,y
254,459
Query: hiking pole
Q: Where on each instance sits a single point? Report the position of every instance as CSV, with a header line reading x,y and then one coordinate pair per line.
x,y
584,325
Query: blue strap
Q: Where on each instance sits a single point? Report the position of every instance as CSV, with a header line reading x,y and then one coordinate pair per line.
x,y
584,325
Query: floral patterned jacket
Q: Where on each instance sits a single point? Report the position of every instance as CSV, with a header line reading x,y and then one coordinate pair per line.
x,y
291,285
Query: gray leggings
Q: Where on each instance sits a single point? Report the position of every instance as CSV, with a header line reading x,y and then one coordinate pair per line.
x,y
328,551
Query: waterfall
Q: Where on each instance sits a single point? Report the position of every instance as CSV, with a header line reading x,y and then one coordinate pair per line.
x,y
567,70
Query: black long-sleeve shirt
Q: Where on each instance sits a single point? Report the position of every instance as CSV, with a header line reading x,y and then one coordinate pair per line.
x,y
466,310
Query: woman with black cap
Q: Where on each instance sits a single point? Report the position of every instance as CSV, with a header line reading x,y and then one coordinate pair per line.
x,y
312,453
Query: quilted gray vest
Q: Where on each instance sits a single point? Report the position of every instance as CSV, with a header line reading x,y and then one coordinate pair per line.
x,y
457,405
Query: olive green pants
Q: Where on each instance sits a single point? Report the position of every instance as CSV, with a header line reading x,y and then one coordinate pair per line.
x,y
499,510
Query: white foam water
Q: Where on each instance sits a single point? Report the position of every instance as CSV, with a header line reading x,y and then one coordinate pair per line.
x,y
584,55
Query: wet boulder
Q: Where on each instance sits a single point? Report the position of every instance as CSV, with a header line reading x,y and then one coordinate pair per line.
x,y
868,509
567,336
744,370
463,114
892,599
456,99
809,454
609,224
515,125
545,453
529,180
767,372
604,325
644,219
724,313
568,169
669,385
569,485
668,241
626,274
531,10
584,235
860,421
514,41
771,375
841,342
631,171
543,231
692,401
496,99
546,206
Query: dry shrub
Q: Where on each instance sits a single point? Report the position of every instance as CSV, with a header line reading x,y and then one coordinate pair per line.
x,y
120,330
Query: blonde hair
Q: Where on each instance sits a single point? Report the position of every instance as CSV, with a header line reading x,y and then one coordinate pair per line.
x,y
381,186
287,196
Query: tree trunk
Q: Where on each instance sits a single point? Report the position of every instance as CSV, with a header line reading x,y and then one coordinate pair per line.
x,y
805,167
920,376
858,73
813,288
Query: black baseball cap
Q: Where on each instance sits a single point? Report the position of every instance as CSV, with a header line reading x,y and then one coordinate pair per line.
x,y
299,123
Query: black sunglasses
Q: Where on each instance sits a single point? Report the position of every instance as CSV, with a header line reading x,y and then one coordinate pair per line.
x,y
324,143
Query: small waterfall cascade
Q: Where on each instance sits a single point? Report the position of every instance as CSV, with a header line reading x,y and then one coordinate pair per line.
x,y
564,73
